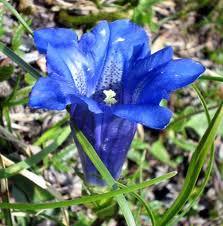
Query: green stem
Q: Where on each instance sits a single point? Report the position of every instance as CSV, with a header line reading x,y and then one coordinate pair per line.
x,y
17,15
211,78
203,102
143,202
71,21
183,117
5,197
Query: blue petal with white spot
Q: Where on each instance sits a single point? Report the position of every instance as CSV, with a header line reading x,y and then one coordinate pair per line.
x,y
111,82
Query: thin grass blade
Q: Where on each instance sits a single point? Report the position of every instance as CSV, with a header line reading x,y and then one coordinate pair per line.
x,y
87,199
18,60
33,160
17,15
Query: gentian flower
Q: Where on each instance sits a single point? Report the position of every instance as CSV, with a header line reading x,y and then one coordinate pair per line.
x,y
111,82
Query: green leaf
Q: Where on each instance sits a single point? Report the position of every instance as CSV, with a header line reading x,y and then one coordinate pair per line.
x,y
29,79
217,56
135,152
18,32
159,152
199,123
186,145
144,14
6,72
197,191
62,160
195,166
5,197
86,199
149,210
52,132
2,31
20,96
25,190
33,160
178,126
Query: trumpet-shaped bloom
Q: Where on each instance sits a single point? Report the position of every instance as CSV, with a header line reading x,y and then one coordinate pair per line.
x,y
112,82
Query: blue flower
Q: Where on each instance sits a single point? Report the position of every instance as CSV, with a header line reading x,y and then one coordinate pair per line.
x,y
112,82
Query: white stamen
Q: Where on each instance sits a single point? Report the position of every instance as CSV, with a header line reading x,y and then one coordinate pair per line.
x,y
120,39
109,97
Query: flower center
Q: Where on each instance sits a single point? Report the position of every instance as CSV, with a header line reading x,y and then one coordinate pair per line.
x,y
109,97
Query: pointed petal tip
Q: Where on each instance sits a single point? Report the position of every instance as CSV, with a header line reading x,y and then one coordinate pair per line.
x,y
54,36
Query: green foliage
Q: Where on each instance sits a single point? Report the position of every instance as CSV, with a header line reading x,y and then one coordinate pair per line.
x,y
135,153
87,199
2,31
159,152
63,159
217,56
6,72
34,159
195,166
144,14
17,39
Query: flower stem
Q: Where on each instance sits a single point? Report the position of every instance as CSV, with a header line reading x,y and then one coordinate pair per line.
x,y
93,156
17,15
212,78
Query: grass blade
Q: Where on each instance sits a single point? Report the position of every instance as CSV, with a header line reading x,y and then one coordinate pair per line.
x,y
211,78
87,199
5,197
17,15
18,60
50,133
147,207
203,102
25,164
195,167
210,163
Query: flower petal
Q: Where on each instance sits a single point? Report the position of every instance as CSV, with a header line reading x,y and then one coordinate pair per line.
x,y
47,94
126,35
57,64
112,45
70,63
167,78
54,37
138,70
159,58
110,136
155,117
55,94
95,44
